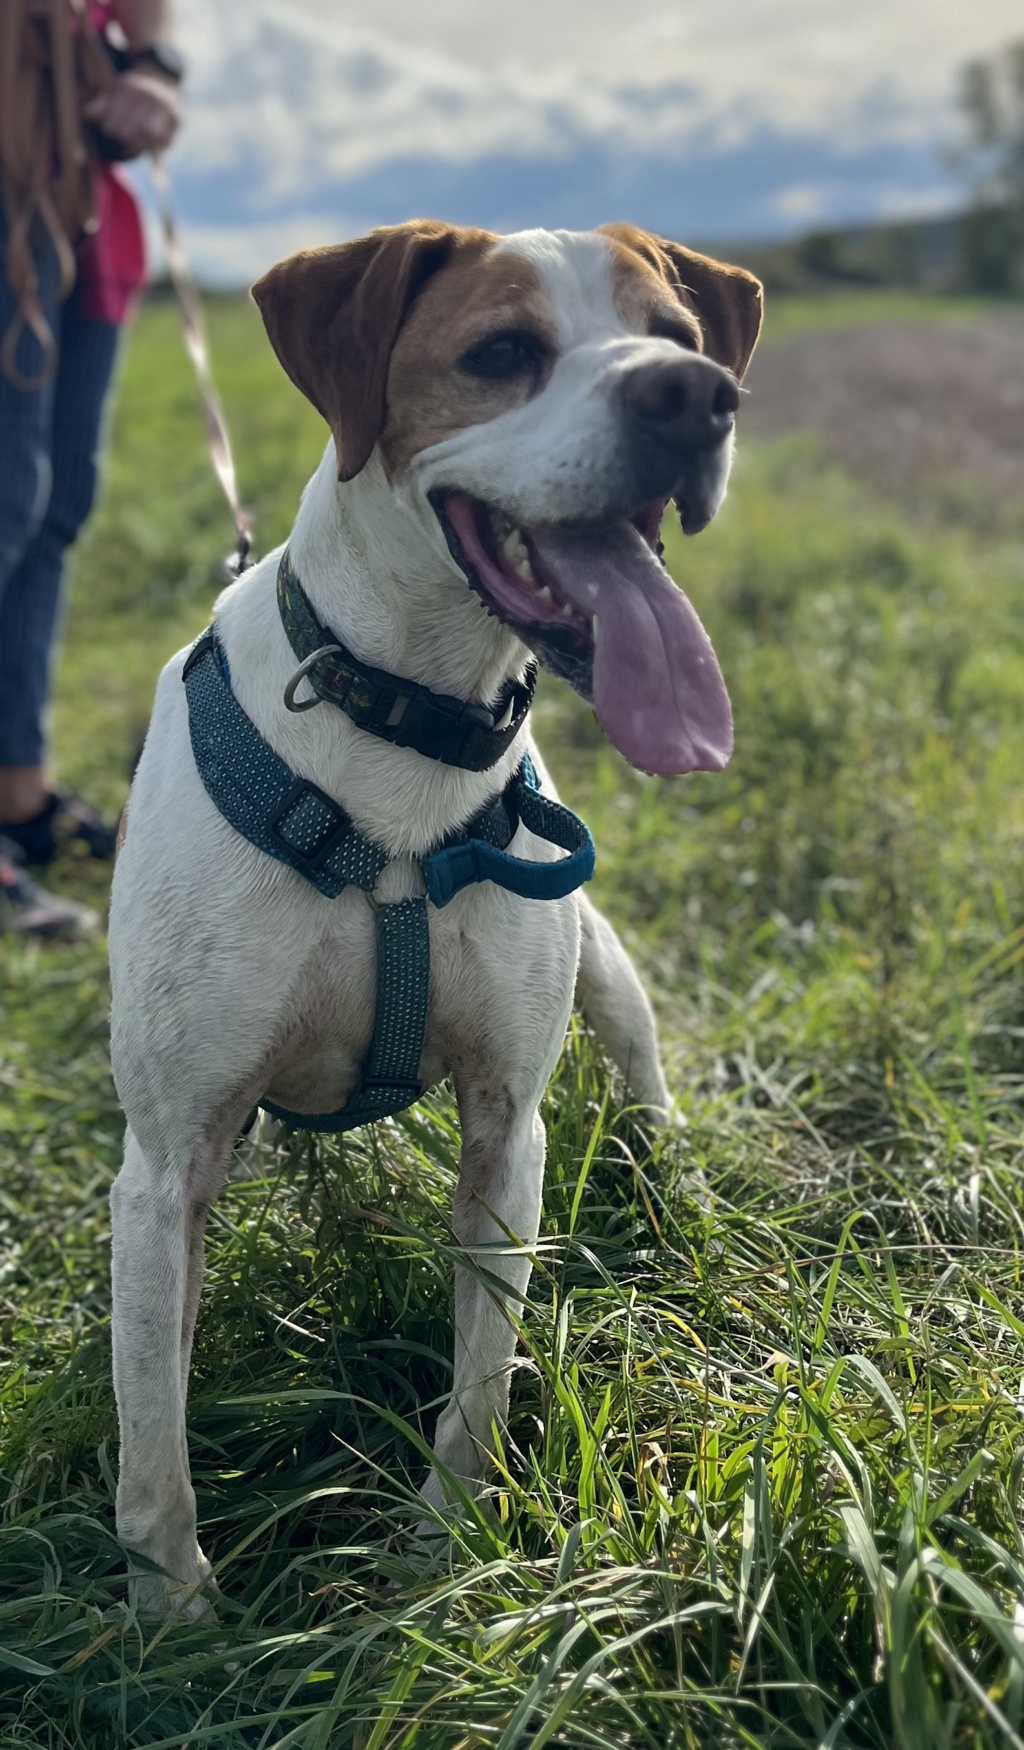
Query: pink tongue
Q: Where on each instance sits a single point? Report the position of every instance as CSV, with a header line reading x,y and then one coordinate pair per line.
x,y
658,690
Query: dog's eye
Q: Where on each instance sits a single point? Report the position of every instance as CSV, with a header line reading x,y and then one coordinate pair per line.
x,y
664,328
510,354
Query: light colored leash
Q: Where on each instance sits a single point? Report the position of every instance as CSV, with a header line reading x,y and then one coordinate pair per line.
x,y
197,347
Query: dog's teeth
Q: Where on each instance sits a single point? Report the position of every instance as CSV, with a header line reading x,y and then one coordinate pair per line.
x,y
567,611
514,547
518,555
593,628
545,594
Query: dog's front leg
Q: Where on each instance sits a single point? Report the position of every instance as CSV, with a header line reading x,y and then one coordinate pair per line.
x,y
496,1217
158,1221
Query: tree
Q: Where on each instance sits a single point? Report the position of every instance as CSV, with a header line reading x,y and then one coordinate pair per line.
x,y
992,233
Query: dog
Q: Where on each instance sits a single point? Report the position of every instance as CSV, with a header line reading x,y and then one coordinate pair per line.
x,y
509,417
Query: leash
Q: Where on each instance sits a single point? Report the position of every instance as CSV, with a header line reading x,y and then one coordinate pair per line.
x,y
196,345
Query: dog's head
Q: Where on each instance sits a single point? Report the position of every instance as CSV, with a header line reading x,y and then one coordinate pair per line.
x,y
546,394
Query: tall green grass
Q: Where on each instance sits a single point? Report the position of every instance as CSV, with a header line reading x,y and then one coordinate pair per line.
x,y
762,1480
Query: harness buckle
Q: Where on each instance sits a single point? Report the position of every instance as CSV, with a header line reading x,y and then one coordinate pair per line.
x,y
322,821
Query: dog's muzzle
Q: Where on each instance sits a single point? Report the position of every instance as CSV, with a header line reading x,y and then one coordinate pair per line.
x,y
678,415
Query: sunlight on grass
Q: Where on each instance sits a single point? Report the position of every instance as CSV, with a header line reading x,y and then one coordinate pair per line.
x,y
762,1481
795,313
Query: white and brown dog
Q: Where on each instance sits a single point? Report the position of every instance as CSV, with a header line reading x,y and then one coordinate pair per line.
x,y
510,416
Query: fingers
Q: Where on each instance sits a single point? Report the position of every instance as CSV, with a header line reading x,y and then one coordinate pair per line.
x,y
141,113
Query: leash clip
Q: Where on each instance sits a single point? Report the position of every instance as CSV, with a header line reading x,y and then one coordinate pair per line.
x,y
303,669
241,559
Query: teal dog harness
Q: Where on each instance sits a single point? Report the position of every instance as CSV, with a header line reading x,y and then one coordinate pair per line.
x,y
294,821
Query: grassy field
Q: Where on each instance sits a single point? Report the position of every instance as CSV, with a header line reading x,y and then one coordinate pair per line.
x,y
762,1481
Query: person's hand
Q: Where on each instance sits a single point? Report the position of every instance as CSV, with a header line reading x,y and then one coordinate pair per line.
x,y
141,111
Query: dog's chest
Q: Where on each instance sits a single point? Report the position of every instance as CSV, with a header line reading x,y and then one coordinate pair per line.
x,y
500,970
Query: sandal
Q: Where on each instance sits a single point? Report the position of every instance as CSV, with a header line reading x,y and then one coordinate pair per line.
x,y
28,908
66,823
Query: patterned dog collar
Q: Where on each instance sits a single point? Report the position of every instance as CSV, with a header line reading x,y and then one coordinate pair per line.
x,y
454,731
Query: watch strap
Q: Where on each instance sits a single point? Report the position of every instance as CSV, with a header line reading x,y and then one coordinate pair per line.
x,y
162,56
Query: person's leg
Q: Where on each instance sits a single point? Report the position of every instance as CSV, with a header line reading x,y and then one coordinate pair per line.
x,y
31,598
25,483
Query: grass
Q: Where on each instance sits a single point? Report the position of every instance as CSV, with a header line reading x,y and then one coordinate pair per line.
x,y
795,312
762,1480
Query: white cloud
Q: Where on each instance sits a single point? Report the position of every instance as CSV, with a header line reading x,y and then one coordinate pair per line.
x,y
895,201
302,102
232,255
289,89
296,109
804,54
801,201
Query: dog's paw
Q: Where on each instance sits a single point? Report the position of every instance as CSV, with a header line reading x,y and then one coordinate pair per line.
x,y
650,1105
664,1118
159,1596
431,1535
647,1125
426,1553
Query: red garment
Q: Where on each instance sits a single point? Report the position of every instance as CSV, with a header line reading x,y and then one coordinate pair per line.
x,y
112,263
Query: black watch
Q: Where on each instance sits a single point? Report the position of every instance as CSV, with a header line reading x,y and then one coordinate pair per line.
x,y
162,56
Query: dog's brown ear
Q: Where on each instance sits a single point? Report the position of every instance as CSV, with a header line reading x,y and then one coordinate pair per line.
x,y
728,301
333,316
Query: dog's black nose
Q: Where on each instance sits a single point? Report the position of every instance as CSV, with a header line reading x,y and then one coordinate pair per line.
x,y
686,404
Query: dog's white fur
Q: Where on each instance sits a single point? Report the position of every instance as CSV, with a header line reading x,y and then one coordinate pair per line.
x,y
532,461
234,979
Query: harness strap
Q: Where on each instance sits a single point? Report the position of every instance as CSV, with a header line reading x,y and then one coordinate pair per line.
x,y
294,821
391,1075
454,731
287,817
469,859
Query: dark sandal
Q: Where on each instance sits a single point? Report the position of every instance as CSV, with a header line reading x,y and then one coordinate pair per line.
x,y
66,823
28,908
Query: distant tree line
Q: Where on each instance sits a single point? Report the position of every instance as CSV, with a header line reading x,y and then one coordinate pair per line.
x,y
992,232
978,250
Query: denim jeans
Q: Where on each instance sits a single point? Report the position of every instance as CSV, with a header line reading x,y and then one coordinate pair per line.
x,y
49,444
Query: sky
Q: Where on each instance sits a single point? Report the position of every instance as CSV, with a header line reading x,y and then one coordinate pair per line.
x,y
308,121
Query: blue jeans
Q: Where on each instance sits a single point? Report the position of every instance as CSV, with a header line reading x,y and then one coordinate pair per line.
x,y
49,445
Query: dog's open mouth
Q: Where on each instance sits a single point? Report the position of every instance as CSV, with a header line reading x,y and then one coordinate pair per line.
x,y
600,610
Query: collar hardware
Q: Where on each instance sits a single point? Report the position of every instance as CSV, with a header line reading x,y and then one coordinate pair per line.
x,y
457,732
303,669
